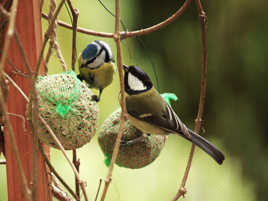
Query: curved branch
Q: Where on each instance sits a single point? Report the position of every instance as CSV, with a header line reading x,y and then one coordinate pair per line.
x,y
127,34
202,98
160,25
117,37
80,29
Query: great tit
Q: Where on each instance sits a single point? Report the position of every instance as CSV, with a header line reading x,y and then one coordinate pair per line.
x,y
96,66
149,112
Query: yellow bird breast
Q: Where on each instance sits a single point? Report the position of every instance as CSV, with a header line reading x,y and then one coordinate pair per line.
x,y
100,77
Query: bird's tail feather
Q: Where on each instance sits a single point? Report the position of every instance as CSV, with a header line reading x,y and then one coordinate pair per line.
x,y
205,145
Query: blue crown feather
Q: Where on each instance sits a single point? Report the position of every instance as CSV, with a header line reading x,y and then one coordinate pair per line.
x,y
90,52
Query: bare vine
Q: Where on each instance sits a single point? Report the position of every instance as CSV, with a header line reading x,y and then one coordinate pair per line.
x,y
117,36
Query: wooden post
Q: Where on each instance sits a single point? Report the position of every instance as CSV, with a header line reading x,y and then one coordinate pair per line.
x,y
28,27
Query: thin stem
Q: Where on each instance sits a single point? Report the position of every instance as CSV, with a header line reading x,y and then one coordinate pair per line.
x,y
15,150
75,14
60,194
127,34
20,117
97,194
202,98
4,11
53,170
22,52
53,136
35,148
10,31
16,86
160,25
46,37
52,8
81,29
122,100
35,111
76,163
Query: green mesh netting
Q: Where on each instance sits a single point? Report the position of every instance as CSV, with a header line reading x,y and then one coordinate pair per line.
x,y
169,96
65,103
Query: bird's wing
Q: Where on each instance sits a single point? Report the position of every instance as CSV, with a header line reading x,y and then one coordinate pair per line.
x,y
168,120
164,117
158,113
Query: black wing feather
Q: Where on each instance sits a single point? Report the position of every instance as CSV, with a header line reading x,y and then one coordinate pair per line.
x,y
170,122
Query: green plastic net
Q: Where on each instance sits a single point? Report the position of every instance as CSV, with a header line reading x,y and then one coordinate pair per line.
x,y
65,103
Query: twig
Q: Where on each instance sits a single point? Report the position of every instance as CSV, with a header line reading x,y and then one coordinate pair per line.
x,y
4,11
53,136
128,34
15,150
97,194
16,70
53,170
76,163
52,8
22,119
53,44
10,31
60,194
160,25
75,14
81,29
22,52
198,119
46,37
16,86
122,100
34,126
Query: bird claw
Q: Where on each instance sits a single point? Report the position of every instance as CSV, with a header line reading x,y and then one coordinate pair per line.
x,y
95,98
131,142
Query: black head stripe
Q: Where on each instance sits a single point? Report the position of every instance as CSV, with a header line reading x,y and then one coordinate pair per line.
x,y
107,57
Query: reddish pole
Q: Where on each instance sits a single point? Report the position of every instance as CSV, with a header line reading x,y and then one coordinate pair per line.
x,y
28,27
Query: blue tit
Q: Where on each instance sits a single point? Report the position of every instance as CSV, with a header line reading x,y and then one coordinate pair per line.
x,y
149,112
96,66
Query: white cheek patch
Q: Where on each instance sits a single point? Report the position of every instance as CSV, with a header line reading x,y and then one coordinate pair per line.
x,y
98,61
135,84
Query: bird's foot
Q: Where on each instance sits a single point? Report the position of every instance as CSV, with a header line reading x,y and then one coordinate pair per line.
x,y
134,141
95,98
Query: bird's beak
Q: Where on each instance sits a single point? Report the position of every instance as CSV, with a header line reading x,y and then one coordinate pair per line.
x,y
125,68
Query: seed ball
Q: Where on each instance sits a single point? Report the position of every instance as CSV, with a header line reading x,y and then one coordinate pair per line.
x,y
65,104
136,155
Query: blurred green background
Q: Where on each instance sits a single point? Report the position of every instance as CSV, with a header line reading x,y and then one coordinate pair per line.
x,y
235,118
